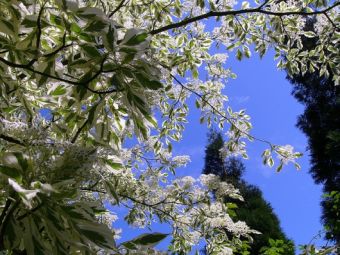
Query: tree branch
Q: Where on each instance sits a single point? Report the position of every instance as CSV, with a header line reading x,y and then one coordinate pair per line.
x,y
39,27
76,83
79,131
11,139
336,28
235,13
63,46
121,4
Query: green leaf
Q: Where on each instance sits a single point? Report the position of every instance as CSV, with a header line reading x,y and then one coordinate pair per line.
x,y
239,55
32,238
128,58
309,34
11,172
97,233
148,240
28,108
7,27
91,51
46,68
75,28
29,21
128,50
297,166
23,163
13,235
279,168
147,82
114,165
58,91
56,20
246,51
270,161
93,112
109,39
136,39
112,190
96,26
151,119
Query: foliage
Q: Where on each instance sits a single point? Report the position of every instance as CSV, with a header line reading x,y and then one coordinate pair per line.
x,y
277,247
313,250
79,78
321,123
331,205
254,210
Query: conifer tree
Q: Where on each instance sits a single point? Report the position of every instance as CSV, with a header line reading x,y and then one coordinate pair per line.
x,y
255,211
320,122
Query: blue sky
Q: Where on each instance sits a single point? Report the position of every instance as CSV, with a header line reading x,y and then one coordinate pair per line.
x,y
264,92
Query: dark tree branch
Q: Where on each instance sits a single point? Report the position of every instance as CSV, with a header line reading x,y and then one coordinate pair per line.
x,y
11,139
238,12
11,64
63,46
76,83
39,27
74,139
336,28
121,4
263,4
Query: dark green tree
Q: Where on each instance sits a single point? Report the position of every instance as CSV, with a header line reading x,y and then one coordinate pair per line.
x,y
255,211
320,122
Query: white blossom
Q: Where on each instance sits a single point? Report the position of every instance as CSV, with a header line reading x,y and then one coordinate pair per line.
x,y
226,251
181,160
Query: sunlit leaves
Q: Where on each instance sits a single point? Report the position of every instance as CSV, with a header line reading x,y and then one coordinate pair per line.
x,y
103,73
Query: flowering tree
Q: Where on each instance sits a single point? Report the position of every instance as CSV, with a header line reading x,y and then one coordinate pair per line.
x,y
78,78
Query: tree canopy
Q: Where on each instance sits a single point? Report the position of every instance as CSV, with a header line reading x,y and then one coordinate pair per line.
x,y
80,81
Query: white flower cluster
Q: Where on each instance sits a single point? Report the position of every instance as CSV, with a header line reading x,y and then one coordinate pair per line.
x,y
220,57
226,251
286,153
277,6
239,131
223,4
190,6
181,160
320,24
220,188
17,128
108,218
198,28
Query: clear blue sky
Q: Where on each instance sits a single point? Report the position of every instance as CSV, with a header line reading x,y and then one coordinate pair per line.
x,y
265,93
